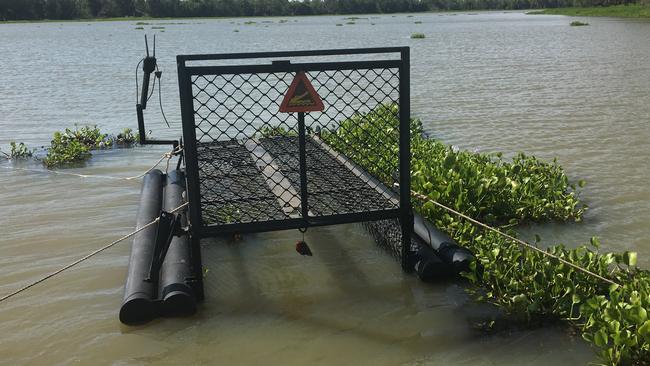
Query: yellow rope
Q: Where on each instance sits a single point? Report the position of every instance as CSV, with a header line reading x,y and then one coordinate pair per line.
x,y
422,197
88,256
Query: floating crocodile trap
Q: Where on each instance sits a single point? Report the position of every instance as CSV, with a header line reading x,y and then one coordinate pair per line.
x,y
258,139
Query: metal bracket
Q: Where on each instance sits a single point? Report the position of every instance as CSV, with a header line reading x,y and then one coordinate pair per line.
x,y
169,225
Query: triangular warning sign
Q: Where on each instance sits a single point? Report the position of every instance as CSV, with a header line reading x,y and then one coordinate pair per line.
x,y
301,96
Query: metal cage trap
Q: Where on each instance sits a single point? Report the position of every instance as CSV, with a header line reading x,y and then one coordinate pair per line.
x,y
258,158
262,145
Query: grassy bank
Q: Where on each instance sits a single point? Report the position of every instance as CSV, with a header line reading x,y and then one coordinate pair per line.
x,y
623,11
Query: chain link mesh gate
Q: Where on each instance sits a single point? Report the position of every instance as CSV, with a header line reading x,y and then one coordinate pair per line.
x,y
250,168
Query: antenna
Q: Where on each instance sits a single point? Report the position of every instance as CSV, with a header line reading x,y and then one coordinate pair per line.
x,y
149,66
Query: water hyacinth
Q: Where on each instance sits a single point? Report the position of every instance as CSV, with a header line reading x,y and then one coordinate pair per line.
x,y
526,284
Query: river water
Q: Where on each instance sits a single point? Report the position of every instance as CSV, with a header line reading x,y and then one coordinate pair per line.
x,y
488,81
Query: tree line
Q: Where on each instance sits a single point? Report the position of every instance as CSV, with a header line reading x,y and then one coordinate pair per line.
x,y
81,9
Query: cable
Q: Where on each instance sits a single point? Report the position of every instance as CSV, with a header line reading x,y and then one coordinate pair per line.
x,y
422,197
161,104
137,84
88,256
153,88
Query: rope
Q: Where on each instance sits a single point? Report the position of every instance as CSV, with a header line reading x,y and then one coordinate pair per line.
x,y
167,155
89,255
422,197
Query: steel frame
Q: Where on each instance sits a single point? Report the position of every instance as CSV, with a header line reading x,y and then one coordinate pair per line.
x,y
185,73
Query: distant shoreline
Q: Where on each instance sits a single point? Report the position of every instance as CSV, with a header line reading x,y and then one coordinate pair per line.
x,y
618,11
146,18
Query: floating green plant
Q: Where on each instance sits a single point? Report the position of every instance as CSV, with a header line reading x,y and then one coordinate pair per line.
x,y
18,151
418,36
528,286
577,23
74,145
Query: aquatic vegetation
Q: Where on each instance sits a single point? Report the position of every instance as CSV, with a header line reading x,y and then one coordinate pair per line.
x,y
339,24
18,151
65,149
126,138
529,286
139,27
142,23
272,131
577,23
74,145
417,22
157,27
350,23
250,22
417,36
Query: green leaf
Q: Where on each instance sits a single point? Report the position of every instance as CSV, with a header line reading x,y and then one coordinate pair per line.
x,y
630,258
644,331
595,242
600,338
575,298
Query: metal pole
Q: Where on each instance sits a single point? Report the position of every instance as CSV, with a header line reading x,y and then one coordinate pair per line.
x,y
406,213
302,148
191,159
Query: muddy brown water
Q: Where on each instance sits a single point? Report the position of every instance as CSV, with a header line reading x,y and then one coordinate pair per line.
x,y
488,81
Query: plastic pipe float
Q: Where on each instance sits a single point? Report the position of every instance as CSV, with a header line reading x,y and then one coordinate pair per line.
x,y
139,295
176,275
170,288
427,264
455,256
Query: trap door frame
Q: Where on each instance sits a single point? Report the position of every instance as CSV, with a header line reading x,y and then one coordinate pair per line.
x,y
187,99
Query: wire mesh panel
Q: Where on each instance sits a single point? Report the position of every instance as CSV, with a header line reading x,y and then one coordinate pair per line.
x,y
252,168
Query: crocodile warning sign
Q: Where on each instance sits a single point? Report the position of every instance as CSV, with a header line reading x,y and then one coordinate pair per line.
x,y
301,96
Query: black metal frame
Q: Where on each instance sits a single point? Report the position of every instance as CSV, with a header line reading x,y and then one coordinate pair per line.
x,y
185,72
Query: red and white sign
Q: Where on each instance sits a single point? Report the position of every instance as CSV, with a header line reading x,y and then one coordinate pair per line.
x,y
301,96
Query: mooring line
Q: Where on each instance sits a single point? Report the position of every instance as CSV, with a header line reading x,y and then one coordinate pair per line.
x,y
422,197
16,292
167,155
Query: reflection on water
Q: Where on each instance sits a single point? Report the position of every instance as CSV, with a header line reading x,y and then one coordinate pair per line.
x,y
494,81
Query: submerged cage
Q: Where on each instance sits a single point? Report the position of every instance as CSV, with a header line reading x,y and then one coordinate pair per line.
x,y
252,168
284,143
